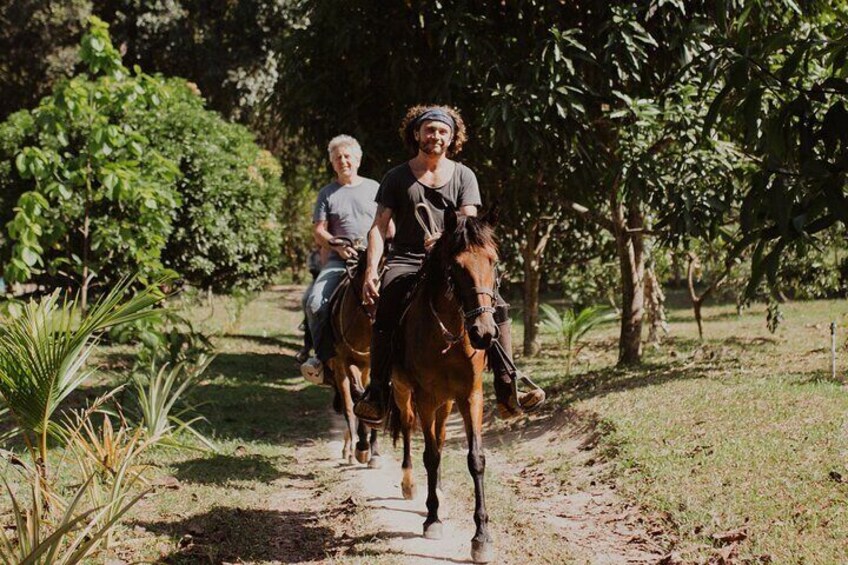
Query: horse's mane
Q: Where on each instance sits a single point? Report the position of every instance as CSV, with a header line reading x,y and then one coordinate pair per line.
x,y
470,232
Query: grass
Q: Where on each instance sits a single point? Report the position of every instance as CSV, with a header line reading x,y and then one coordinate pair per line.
x,y
220,507
745,431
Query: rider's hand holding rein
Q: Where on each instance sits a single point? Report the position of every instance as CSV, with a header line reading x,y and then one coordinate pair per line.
x,y
344,251
376,243
431,241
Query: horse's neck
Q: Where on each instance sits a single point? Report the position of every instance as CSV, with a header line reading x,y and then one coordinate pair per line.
x,y
446,303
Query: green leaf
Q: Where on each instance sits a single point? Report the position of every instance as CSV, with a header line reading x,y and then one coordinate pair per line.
x,y
21,163
29,256
110,180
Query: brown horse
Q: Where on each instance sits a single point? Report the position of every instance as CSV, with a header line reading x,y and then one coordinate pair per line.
x,y
440,361
351,364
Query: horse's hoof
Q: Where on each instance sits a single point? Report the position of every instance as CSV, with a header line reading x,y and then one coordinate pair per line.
x,y
363,456
375,462
409,491
482,551
433,530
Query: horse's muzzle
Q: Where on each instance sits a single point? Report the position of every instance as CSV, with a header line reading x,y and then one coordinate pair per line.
x,y
483,331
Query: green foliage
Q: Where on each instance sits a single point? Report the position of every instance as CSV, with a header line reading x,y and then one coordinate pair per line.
x,y
813,270
295,214
570,327
68,539
165,337
39,45
784,99
157,393
591,282
44,350
226,233
94,198
121,172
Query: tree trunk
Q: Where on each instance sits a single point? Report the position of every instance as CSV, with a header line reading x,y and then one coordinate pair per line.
x,y
629,240
654,307
532,279
697,301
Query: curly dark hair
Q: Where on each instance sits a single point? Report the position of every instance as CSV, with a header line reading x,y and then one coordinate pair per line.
x,y
407,128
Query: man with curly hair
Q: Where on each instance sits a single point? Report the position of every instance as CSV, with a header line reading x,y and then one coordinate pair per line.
x,y
433,134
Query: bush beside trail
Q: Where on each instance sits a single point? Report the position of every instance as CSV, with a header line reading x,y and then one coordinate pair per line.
x,y
118,173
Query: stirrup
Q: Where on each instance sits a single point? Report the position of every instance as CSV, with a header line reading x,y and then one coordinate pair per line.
x,y
366,401
535,390
302,356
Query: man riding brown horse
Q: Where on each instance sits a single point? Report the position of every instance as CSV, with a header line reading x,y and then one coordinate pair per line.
x,y
432,180
344,210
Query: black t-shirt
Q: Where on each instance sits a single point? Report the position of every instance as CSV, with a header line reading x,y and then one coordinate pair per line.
x,y
401,191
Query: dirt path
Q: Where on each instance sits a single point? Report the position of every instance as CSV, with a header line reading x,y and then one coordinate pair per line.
x,y
398,522
534,518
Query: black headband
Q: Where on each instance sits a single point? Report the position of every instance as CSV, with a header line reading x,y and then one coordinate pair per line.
x,y
436,115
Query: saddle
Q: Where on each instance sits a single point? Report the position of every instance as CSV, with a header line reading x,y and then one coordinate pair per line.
x,y
353,268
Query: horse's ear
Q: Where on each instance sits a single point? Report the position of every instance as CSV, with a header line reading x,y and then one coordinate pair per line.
x,y
450,220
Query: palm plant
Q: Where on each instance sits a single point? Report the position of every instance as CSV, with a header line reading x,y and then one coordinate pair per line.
x,y
570,327
4,414
43,352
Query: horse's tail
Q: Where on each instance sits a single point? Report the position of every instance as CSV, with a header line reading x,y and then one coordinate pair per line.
x,y
393,421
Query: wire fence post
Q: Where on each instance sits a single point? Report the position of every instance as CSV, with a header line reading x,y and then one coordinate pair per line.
x,y
833,350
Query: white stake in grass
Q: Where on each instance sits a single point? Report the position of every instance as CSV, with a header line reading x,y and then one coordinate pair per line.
x,y
833,350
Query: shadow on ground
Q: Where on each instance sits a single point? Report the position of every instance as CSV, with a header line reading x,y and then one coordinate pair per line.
x,y
247,412
223,469
290,341
238,535
253,367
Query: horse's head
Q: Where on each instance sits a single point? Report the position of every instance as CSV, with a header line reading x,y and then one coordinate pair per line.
x,y
469,252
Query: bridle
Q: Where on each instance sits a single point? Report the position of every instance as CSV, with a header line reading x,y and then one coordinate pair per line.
x,y
453,290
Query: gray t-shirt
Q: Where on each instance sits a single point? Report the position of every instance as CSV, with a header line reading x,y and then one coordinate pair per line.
x,y
348,210
401,191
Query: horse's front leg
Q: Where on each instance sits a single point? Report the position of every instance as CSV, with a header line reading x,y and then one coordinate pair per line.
x,y
432,460
402,397
363,449
482,548
442,415
343,385
376,460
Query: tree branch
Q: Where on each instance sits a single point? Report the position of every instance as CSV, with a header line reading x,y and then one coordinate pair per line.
x,y
605,223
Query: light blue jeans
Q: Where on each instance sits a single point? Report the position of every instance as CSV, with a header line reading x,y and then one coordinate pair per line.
x,y
315,304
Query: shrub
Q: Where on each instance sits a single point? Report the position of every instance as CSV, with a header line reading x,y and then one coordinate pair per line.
x,y
226,233
119,172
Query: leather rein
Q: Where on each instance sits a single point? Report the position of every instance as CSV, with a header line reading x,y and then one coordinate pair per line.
x,y
451,338
350,268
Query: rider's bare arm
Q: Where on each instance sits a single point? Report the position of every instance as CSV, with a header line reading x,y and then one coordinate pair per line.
x,y
323,237
376,243
468,210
